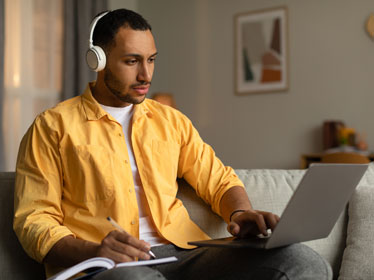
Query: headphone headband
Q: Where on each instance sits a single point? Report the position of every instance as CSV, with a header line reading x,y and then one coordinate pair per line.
x,y
92,27
95,55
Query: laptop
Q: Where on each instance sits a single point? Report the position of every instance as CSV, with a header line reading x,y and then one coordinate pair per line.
x,y
311,212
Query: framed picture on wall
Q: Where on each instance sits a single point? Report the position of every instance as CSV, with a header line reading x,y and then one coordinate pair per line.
x,y
261,51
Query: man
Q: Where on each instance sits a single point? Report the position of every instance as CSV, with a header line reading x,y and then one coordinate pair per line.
x,y
112,152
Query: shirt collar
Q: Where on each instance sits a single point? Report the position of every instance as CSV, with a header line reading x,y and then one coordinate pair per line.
x,y
94,111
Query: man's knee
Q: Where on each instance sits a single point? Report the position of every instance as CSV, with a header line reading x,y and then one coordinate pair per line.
x,y
133,273
299,261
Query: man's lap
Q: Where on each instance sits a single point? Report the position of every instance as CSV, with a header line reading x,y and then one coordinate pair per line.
x,y
292,262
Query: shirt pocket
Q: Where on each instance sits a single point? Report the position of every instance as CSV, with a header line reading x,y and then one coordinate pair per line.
x,y
165,158
88,173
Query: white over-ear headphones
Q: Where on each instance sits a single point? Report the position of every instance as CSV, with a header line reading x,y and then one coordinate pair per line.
x,y
95,55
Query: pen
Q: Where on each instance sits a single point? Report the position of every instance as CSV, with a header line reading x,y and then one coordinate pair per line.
x,y
117,226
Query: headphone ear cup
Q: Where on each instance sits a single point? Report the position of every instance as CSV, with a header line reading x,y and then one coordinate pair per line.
x,y
96,58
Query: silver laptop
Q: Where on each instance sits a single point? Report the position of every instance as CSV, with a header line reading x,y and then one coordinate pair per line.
x,y
312,211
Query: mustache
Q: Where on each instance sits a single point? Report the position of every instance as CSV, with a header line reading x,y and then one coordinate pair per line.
x,y
141,84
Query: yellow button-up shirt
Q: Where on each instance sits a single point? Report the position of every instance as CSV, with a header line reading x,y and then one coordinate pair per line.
x,y
73,171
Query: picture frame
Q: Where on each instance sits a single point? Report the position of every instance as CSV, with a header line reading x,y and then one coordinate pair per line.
x,y
261,51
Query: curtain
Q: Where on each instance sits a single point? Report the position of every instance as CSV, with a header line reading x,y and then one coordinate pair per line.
x,y
2,36
33,50
77,18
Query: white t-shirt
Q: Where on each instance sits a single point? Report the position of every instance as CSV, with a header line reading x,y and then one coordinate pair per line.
x,y
147,229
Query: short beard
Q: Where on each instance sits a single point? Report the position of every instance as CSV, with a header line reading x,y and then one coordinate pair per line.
x,y
115,88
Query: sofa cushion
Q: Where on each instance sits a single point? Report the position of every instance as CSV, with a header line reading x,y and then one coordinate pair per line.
x,y
270,189
14,262
359,253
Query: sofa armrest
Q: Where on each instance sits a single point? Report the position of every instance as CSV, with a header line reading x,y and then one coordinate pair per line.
x,y
14,262
200,212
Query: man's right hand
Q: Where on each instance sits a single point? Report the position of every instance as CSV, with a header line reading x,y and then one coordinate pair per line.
x,y
123,247
117,245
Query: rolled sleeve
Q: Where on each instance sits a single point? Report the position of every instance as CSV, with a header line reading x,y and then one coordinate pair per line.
x,y
38,190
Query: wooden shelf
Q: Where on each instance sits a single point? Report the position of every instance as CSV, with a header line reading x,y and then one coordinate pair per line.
x,y
307,159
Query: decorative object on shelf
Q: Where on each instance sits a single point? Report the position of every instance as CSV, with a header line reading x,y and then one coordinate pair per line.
x,y
361,142
331,134
370,26
347,136
164,98
339,138
261,51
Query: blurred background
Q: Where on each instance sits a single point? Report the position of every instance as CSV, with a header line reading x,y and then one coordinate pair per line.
x,y
330,67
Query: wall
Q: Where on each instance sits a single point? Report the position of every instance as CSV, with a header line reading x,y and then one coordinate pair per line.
x,y
331,76
127,4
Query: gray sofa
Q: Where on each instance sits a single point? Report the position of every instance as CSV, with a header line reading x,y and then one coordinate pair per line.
x,y
349,251
14,262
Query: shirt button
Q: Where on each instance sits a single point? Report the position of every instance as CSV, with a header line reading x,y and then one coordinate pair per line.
x,y
119,134
109,192
126,161
130,190
133,222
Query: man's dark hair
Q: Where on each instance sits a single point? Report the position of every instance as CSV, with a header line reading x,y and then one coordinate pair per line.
x,y
108,26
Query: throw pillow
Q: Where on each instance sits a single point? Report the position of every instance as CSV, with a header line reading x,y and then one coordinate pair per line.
x,y
359,252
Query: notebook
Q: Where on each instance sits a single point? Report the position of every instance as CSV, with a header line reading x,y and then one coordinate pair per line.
x,y
311,212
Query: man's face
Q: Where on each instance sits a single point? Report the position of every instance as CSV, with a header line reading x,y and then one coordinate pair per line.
x,y
130,65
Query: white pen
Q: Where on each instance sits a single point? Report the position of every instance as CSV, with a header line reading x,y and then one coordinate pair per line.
x,y
117,226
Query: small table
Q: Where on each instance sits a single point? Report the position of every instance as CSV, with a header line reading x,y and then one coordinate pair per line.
x,y
307,159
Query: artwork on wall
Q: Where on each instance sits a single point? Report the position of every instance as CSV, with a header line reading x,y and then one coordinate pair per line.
x,y
370,26
261,51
